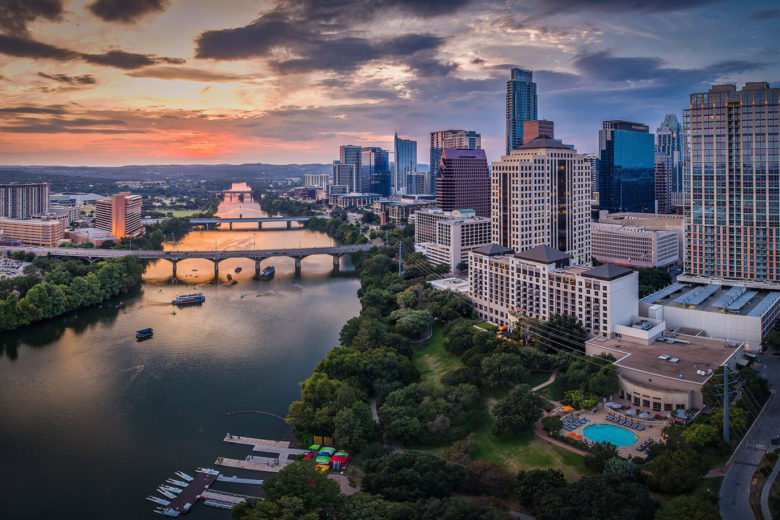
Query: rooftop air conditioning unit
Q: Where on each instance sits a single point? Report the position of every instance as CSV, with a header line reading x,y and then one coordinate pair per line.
x,y
674,360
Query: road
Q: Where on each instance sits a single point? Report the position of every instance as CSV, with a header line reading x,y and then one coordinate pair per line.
x,y
735,490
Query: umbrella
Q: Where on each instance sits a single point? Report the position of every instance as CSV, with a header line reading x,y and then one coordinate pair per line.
x,y
610,404
644,415
631,412
617,406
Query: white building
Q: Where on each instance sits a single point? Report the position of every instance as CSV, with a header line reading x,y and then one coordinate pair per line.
x,y
316,180
634,245
539,283
541,196
446,237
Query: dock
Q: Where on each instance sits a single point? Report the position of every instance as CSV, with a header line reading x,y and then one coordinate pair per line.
x,y
190,494
237,480
225,497
237,439
252,463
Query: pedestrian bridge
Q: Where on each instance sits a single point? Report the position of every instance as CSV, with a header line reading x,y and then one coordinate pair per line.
x,y
174,257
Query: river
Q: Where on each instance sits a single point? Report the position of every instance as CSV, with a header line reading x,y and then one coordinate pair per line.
x,y
91,421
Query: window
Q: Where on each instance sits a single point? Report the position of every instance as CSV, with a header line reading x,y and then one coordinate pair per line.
x,y
679,407
667,407
636,401
656,407
645,403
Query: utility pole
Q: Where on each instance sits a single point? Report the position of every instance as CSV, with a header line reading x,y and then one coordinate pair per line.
x,y
726,404
387,239
400,257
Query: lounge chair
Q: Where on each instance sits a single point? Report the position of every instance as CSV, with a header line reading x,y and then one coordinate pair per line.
x,y
640,427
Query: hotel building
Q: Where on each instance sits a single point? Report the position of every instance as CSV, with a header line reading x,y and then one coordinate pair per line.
x,y
120,215
316,180
446,237
23,200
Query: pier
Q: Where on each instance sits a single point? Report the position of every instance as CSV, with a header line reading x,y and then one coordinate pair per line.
x,y
190,494
225,497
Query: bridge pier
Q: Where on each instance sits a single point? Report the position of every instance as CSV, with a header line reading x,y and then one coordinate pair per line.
x,y
259,225
231,226
173,267
289,224
257,267
336,263
216,268
298,265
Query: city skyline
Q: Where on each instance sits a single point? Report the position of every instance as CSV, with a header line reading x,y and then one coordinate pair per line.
x,y
87,84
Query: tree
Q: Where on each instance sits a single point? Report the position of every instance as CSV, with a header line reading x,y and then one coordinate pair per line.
x,y
598,456
486,478
303,480
458,336
364,506
503,370
534,484
561,332
677,471
597,498
687,508
354,426
621,467
462,266
700,434
772,340
410,322
286,508
552,423
410,475
518,412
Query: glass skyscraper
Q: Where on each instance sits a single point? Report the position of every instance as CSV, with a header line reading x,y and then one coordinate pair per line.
x,y
351,155
670,140
457,139
732,189
375,170
405,163
626,167
521,105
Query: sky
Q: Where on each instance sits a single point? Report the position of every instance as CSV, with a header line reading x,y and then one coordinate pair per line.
x,y
115,82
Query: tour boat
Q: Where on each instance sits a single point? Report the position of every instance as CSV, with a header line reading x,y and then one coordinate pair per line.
x,y
268,273
208,471
189,299
144,334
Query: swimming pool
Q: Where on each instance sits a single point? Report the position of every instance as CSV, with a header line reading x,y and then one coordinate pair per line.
x,y
608,433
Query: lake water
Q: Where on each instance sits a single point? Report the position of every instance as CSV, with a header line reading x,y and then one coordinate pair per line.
x,y
91,421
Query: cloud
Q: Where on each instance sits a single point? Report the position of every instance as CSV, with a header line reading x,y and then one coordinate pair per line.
x,y
16,14
86,79
125,11
186,74
765,14
23,47
556,7
33,110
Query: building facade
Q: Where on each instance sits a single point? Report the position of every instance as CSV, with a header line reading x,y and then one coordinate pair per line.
x,y
345,175
446,237
120,215
460,139
593,162
353,155
541,196
670,140
34,232
539,282
316,180
663,182
23,200
349,200
626,167
732,193
405,163
521,105
634,246
538,128
463,181
375,171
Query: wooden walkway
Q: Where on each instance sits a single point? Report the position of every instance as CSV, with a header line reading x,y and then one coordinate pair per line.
x,y
250,464
237,439
222,496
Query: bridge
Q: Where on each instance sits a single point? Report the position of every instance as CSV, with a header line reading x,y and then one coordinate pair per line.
x,y
237,191
216,221
174,257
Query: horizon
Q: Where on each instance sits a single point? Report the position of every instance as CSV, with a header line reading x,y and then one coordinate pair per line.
x,y
95,83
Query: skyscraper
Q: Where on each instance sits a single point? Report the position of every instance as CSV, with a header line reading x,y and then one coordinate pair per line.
x,y
23,200
521,105
732,193
375,170
351,154
345,175
405,163
663,182
541,197
670,140
463,181
121,214
536,127
458,139
626,167
593,160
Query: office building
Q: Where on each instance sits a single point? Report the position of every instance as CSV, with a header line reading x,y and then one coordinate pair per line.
x,y
120,215
463,181
663,182
405,163
400,209
634,246
626,167
23,200
34,232
593,161
316,180
353,155
446,237
459,139
732,193
538,128
417,183
350,200
541,196
670,140
539,282
375,171
654,222
521,105
345,175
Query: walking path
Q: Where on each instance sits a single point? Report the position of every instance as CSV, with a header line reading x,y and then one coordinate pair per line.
x,y
766,489
546,383
374,414
542,434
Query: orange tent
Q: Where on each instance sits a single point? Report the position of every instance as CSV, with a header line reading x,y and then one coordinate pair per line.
x,y
568,409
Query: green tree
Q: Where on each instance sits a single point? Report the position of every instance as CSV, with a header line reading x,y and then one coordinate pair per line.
x,y
677,471
687,508
410,475
354,427
599,454
561,332
286,508
364,506
503,370
621,467
552,423
700,434
518,412
303,480
410,322
537,483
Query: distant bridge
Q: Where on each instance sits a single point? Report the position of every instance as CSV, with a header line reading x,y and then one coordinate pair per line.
x,y
215,221
174,257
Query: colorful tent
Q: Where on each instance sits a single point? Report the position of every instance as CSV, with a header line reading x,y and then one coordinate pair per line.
x,y
323,459
324,468
315,447
568,409
327,451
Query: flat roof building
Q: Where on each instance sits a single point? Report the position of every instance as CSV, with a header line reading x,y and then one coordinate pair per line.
x,y
358,200
446,237
120,215
35,232
634,246
18,200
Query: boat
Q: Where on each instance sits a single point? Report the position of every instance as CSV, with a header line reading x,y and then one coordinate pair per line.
x,y
168,511
166,494
144,334
189,299
268,273
172,489
157,500
229,277
208,471
217,503
185,476
238,269
176,482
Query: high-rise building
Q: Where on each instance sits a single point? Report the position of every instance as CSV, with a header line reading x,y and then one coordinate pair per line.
x,y
446,237
732,193
345,175
23,200
375,171
537,127
121,214
417,183
463,181
405,163
521,105
316,180
626,167
351,154
459,139
541,196
663,182
593,160
670,139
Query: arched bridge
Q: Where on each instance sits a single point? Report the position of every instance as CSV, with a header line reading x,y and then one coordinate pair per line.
x,y
258,255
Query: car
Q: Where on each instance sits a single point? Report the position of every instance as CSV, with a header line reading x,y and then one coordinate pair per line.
x,y
776,440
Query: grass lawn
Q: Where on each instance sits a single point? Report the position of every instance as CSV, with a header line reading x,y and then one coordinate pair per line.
x,y
486,326
554,392
181,212
537,378
432,360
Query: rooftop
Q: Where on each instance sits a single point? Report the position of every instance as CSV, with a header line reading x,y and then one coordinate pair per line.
x,y
493,250
543,141
543,254
692,354
607,272
730,299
